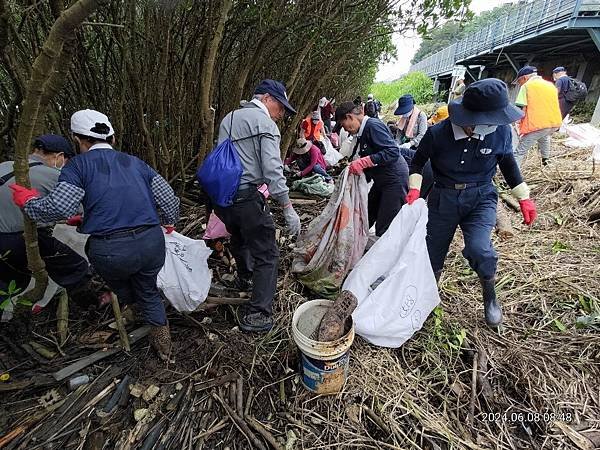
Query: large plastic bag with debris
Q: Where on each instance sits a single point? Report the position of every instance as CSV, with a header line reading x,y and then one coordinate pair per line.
x,y
185,278
331,156
335,240
315,185
394,282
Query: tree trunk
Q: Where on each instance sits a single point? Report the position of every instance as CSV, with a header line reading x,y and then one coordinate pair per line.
x,y
41,71
207,117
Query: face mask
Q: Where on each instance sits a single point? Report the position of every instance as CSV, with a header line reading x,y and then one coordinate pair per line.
x,y
484,130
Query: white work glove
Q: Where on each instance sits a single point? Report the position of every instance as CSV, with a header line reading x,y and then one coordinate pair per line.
x,y
405,145
292,219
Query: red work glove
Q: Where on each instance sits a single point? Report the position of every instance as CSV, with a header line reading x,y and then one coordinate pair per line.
x,y
359,165
22,195
75,220
169,229
528,210
413,194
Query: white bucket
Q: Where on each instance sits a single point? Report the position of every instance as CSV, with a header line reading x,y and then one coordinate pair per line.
x,y
324,365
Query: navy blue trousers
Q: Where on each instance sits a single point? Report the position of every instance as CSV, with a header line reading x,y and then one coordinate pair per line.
x,y
63,264
129,262
253,246
474,210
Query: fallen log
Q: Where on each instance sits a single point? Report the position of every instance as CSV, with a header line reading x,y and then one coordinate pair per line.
x,y
510,201
63,373
226,300
504,227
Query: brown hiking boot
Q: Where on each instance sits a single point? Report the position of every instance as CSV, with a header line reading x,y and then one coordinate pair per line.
x,y
332,324
160,340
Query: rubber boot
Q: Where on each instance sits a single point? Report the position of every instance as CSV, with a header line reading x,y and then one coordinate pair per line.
x,y
491,307
160,340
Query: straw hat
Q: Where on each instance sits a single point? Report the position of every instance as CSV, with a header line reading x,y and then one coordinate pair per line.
x,y
302,146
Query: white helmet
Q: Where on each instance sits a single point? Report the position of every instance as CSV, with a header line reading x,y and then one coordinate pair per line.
x,y
370,97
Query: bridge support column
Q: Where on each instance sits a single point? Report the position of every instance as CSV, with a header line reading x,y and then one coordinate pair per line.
x,y
595,35
596,117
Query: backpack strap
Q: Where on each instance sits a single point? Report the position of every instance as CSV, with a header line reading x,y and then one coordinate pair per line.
x,y
9,175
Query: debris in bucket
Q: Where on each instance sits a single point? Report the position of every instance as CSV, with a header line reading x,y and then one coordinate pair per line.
x,y
333,322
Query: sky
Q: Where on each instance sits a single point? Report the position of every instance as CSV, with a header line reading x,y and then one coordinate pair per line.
x,y
407,45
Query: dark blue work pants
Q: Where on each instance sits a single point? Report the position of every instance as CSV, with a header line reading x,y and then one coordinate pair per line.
x,y
63,264
253,246
129,262
474,210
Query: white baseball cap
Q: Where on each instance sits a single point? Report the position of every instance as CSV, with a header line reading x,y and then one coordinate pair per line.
x,y
88,122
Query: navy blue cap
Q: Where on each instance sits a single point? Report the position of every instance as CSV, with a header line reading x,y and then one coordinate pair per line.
x,y
559,69
277,90
527,70
405,105
54,144
485,102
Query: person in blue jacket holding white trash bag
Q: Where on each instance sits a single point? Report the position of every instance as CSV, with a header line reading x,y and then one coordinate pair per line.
x,y
465,150
125,201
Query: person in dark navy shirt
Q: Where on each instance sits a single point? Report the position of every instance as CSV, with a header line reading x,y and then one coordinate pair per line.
x,y
380,161
124,203
465,151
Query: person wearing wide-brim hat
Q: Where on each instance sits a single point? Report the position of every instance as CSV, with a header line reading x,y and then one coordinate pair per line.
x,y
309,159
412,124
465,150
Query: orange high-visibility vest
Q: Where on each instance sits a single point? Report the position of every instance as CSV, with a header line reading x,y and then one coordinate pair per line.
x,y
542,110
309,132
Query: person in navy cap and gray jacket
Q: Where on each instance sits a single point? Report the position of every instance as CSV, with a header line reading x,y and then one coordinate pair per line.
x,y
464,151
64,265
379,159
412,125
124,203
253,129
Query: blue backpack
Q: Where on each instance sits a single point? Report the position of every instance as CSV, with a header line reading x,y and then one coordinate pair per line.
x,y
221,172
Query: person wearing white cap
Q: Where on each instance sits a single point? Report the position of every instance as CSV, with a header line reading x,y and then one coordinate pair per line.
x,y
124,203
372,107
326,110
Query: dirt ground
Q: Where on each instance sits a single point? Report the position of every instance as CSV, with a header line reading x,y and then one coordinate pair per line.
x,y
455,384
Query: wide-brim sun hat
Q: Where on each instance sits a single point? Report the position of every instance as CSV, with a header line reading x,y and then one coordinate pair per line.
x,y
302,146
484,102
405,105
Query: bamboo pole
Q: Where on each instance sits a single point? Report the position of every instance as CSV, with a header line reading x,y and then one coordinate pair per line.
x,y
119,320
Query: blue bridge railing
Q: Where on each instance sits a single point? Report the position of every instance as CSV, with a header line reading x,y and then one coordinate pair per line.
x,y
527,20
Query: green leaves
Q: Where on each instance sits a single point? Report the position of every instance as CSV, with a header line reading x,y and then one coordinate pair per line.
x,y
558,247
419,85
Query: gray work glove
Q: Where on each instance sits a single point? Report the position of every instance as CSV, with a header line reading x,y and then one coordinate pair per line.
x,y
292,219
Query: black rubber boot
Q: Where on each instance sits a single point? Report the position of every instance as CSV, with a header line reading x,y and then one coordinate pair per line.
x,y
491,307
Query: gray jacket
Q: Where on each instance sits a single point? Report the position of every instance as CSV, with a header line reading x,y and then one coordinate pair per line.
x,y
257,139
43,178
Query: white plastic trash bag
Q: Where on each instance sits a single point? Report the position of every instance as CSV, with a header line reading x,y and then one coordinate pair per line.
x,y
331,156
185,278
394,282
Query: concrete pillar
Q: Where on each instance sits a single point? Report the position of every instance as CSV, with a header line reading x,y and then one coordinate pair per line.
x,y
596,117
581,70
